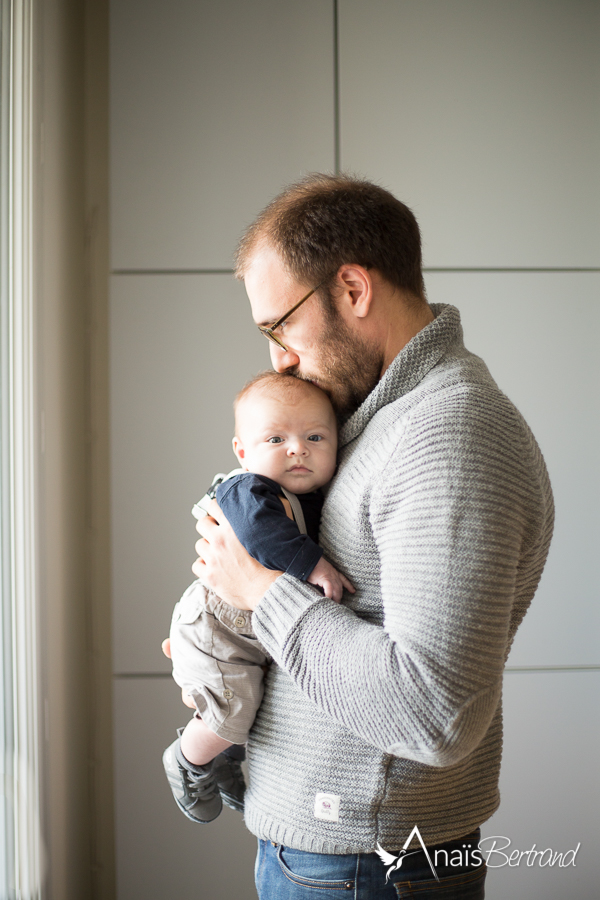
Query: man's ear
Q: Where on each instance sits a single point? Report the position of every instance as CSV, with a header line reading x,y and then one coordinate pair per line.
x,y
238,449
356,284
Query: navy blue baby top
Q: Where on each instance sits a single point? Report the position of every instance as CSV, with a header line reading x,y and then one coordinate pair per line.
x,y
256,514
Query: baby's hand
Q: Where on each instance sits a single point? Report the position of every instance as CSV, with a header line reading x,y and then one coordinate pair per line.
x,y
330,580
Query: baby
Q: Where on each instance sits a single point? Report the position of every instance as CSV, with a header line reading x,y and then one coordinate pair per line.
x,y
286,443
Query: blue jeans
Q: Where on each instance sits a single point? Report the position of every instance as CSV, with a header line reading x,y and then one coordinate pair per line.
x,y
285,874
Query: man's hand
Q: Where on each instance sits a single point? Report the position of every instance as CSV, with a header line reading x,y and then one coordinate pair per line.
x,y
225,565
332,582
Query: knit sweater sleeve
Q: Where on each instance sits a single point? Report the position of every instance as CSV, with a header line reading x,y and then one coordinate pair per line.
x,y
457,510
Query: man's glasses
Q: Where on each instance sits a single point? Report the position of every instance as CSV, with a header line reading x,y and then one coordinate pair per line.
x,y
268,330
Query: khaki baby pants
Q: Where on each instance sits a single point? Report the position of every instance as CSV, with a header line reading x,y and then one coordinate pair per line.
x,y
218,660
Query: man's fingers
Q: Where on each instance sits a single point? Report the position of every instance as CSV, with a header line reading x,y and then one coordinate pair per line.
x,y
206,524
203,549
166,647
200,546
215,511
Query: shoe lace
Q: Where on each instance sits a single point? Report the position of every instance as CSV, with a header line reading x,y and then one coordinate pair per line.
x,y
200,786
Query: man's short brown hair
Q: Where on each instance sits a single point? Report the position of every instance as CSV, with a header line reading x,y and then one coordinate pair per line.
x,y
324,221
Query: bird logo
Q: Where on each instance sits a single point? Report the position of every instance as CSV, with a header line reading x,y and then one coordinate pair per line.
x,y
395,862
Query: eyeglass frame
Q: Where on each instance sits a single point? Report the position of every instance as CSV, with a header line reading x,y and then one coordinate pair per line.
x,y
268,330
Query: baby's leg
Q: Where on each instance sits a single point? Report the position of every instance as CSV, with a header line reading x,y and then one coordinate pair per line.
x,y
199,744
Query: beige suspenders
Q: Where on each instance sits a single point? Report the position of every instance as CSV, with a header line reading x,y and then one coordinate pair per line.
x,y
296,509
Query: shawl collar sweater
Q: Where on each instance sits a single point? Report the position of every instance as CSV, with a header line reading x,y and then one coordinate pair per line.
x,y
384,712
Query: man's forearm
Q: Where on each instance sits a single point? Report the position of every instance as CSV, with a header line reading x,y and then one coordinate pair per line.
x,y
355,673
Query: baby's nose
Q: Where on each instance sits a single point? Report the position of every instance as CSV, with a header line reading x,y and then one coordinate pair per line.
x,y
297,448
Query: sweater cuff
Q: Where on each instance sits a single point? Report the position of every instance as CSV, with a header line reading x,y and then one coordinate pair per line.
x,y
280,609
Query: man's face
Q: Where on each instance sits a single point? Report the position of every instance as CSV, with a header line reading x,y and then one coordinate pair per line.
x,y
322,346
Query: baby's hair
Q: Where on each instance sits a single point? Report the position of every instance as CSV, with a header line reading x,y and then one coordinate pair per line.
x,y
275,384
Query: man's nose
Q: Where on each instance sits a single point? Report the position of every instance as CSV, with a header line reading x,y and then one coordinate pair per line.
x,y
281,359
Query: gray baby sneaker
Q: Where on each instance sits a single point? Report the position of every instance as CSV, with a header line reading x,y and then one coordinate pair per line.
x,y
228,774
194,787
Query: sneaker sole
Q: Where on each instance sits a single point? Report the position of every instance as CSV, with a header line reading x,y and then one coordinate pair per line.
x,y
232,802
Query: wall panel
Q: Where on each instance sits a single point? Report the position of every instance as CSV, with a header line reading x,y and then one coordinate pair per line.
x,y
214,106
160,853
159,850
181,348
484,118
548,785
538,334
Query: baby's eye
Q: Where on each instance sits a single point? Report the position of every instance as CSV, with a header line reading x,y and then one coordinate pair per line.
x,y
275,440
315,437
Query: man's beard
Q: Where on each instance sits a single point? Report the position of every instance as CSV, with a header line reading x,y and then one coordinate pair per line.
x,y
349,368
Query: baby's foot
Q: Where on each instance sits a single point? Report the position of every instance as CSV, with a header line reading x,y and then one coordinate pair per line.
x,y
194,787
227,769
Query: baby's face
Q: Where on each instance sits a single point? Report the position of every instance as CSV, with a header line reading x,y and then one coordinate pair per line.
x,y
292,441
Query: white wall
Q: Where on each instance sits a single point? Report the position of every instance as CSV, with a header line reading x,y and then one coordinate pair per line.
x,y
484,118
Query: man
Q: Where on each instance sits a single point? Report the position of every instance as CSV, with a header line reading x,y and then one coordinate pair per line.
x,y
382,713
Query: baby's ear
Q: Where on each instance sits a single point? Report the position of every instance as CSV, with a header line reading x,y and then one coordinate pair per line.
x,y
238,449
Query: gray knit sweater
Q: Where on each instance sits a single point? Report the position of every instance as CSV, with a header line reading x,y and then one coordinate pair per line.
x,y
441,515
